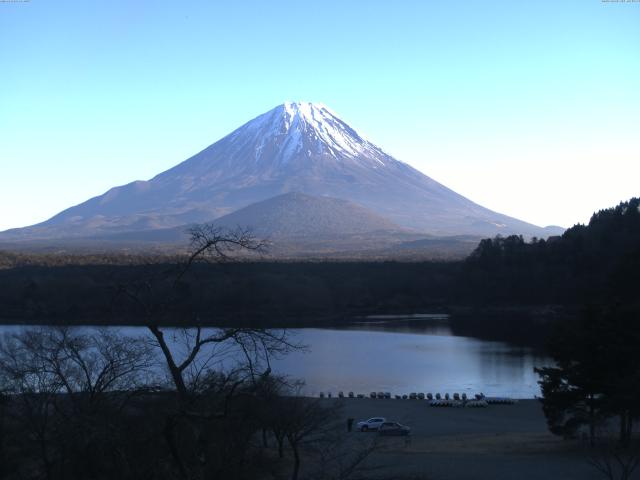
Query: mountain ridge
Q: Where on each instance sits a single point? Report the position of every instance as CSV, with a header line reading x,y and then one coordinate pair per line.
x,y
296,146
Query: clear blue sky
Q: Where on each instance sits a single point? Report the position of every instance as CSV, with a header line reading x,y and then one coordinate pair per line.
x,y
529,108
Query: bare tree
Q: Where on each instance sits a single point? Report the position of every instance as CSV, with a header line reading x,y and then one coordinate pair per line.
x,y
85,366
196,349
236,357
35,390
614,459
256,345
66,386
209,242
305,417
343,457
314,433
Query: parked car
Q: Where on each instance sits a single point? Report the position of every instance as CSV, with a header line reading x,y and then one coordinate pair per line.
x,y
371,424
393,428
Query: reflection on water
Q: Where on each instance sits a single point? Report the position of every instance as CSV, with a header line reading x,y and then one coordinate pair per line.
x,y
416,355
422,324
411,359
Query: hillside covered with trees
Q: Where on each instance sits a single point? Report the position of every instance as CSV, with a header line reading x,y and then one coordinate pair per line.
x,y
598,262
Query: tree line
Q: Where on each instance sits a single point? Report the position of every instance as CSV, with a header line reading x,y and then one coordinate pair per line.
x,y
226,293
598,263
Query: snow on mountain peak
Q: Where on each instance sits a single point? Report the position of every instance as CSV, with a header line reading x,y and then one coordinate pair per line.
x,y
310,129
316,116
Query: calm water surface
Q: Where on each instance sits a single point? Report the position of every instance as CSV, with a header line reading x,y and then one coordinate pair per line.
x,y
415,356
411,360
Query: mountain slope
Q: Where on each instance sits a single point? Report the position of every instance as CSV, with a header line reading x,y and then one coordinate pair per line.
x,y
293,225
299,147
298,215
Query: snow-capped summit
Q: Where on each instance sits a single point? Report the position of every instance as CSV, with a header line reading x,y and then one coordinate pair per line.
x,y
295,147
332,134
303,128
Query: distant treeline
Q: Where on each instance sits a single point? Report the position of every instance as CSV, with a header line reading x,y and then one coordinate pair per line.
x,y
493,292
248,293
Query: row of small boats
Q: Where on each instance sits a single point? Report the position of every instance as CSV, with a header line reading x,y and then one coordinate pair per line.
x,y
479,401
459,403
437,400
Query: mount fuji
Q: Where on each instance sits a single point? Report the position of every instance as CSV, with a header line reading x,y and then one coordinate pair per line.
x,y
297,147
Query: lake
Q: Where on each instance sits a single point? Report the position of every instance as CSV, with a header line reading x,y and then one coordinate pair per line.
x,y
402,356
411,358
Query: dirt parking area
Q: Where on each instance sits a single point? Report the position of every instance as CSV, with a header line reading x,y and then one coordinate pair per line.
x,y
497,442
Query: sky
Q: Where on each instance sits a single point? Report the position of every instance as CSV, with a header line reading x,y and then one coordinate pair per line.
x,y
530,108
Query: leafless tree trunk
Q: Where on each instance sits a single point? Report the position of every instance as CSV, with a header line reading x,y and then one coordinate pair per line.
x,y
305,421
615,460
189,361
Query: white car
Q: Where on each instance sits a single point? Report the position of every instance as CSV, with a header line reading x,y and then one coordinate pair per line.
x,y
371,424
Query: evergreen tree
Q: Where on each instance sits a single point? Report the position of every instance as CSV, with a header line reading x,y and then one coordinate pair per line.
x,y
597,373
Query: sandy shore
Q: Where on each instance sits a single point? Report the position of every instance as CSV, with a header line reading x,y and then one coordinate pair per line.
x,y
497,442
